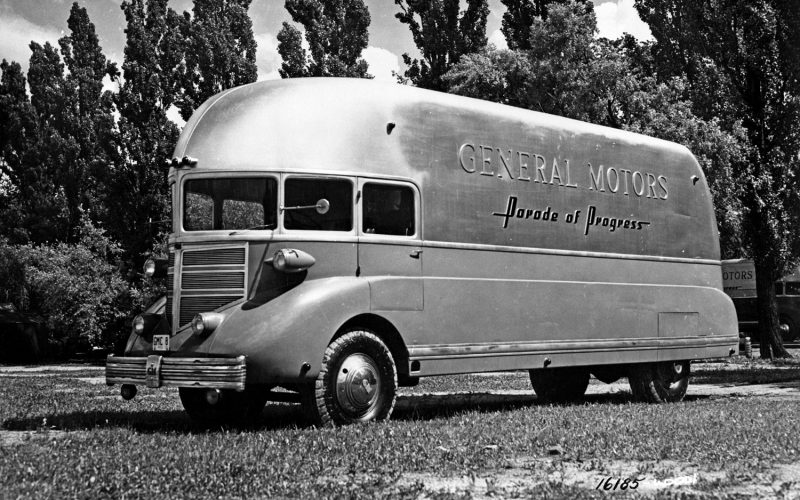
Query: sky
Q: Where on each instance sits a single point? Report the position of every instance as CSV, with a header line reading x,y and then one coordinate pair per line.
x,y
46,20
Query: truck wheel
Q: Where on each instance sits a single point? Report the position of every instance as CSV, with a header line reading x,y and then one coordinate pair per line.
x,y
559,385
663,382
357,382
789,332
232,407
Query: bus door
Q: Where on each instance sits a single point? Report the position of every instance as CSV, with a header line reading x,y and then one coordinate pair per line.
x,y
389,248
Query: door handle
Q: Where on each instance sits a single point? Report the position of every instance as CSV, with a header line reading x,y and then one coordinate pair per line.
x,y
415,254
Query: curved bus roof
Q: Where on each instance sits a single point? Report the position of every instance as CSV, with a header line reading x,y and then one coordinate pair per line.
x,y
472,160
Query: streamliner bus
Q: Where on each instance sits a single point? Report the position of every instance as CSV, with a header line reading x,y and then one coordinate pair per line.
x,y
339,238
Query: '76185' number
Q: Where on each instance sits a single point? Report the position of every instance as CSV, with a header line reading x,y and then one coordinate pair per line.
x,y
608,483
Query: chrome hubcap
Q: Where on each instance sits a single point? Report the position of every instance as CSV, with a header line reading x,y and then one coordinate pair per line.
x,y
358,385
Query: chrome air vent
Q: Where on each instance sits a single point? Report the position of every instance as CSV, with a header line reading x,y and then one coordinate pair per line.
x,y
170,287
213,257
222,279
210,278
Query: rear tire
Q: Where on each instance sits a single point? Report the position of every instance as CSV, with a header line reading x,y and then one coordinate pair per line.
x,y
356,383
789,331
559,385
663,382
233,408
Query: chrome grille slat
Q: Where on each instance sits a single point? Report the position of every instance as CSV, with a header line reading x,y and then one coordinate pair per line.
x,y
215,280
190,306
212,256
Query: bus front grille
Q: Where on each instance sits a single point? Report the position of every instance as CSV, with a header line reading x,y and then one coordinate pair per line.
x,y
209,278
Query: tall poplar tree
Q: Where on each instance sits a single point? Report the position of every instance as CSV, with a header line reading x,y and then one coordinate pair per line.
x,y
751,48
443,34
88,119
56,151
336,33
31,208
220,50
138,195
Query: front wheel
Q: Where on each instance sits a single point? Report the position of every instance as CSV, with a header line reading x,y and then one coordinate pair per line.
x,y
357,382
559,385
663,382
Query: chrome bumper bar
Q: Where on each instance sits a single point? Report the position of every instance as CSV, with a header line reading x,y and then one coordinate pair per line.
x,y
159,371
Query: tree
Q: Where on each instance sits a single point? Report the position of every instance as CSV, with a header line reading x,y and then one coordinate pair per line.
x,y
137,191
752,47
56,150
87,115
336,33
220,50
519,17
31,208
567,71
442,34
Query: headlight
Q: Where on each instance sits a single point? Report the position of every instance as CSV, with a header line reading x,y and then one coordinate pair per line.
x,y
138,325
198,327
289,260
205,323
149,268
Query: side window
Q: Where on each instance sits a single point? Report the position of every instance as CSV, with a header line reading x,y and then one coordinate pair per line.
x,y
388,209
793,288
302,196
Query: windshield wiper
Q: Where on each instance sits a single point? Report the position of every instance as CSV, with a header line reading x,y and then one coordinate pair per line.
x,y
260,226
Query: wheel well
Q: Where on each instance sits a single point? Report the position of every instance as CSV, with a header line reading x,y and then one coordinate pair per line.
x,y
386,332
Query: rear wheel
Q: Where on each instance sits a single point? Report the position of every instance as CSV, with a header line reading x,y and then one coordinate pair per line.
x,y
663,382
788,329
559,385
225,407
357,382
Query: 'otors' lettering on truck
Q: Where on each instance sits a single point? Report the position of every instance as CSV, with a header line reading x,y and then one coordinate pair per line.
x,y
523,166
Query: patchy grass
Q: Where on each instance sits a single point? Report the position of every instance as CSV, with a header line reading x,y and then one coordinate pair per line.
x,y
63,436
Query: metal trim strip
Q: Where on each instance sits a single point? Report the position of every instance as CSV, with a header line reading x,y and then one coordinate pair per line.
x,y
441,351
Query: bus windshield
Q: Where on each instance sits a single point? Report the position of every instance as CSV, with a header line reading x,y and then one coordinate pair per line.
x,y
230,203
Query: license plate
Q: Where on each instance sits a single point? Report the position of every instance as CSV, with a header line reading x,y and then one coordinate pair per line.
x,y
161,342
153,371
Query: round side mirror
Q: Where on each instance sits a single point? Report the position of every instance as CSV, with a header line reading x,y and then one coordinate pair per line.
x,y
323,206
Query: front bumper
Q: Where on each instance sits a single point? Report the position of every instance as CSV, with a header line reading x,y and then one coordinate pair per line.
x,y
159,371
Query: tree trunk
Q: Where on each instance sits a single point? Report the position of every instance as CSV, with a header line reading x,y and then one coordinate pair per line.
x,y
770,342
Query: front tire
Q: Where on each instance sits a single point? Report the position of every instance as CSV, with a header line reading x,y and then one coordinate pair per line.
x,y
559,385
356,383
663,382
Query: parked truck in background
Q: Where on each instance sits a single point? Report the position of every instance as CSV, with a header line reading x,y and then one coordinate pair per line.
x,y
739,282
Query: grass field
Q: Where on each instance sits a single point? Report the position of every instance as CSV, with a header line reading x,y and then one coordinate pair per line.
x,y
64,434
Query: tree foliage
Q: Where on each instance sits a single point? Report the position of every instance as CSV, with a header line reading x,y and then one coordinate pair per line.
x,y
55,144
220,50
520,15
75,287
443,34
747,53
137,191
569,72
336,33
